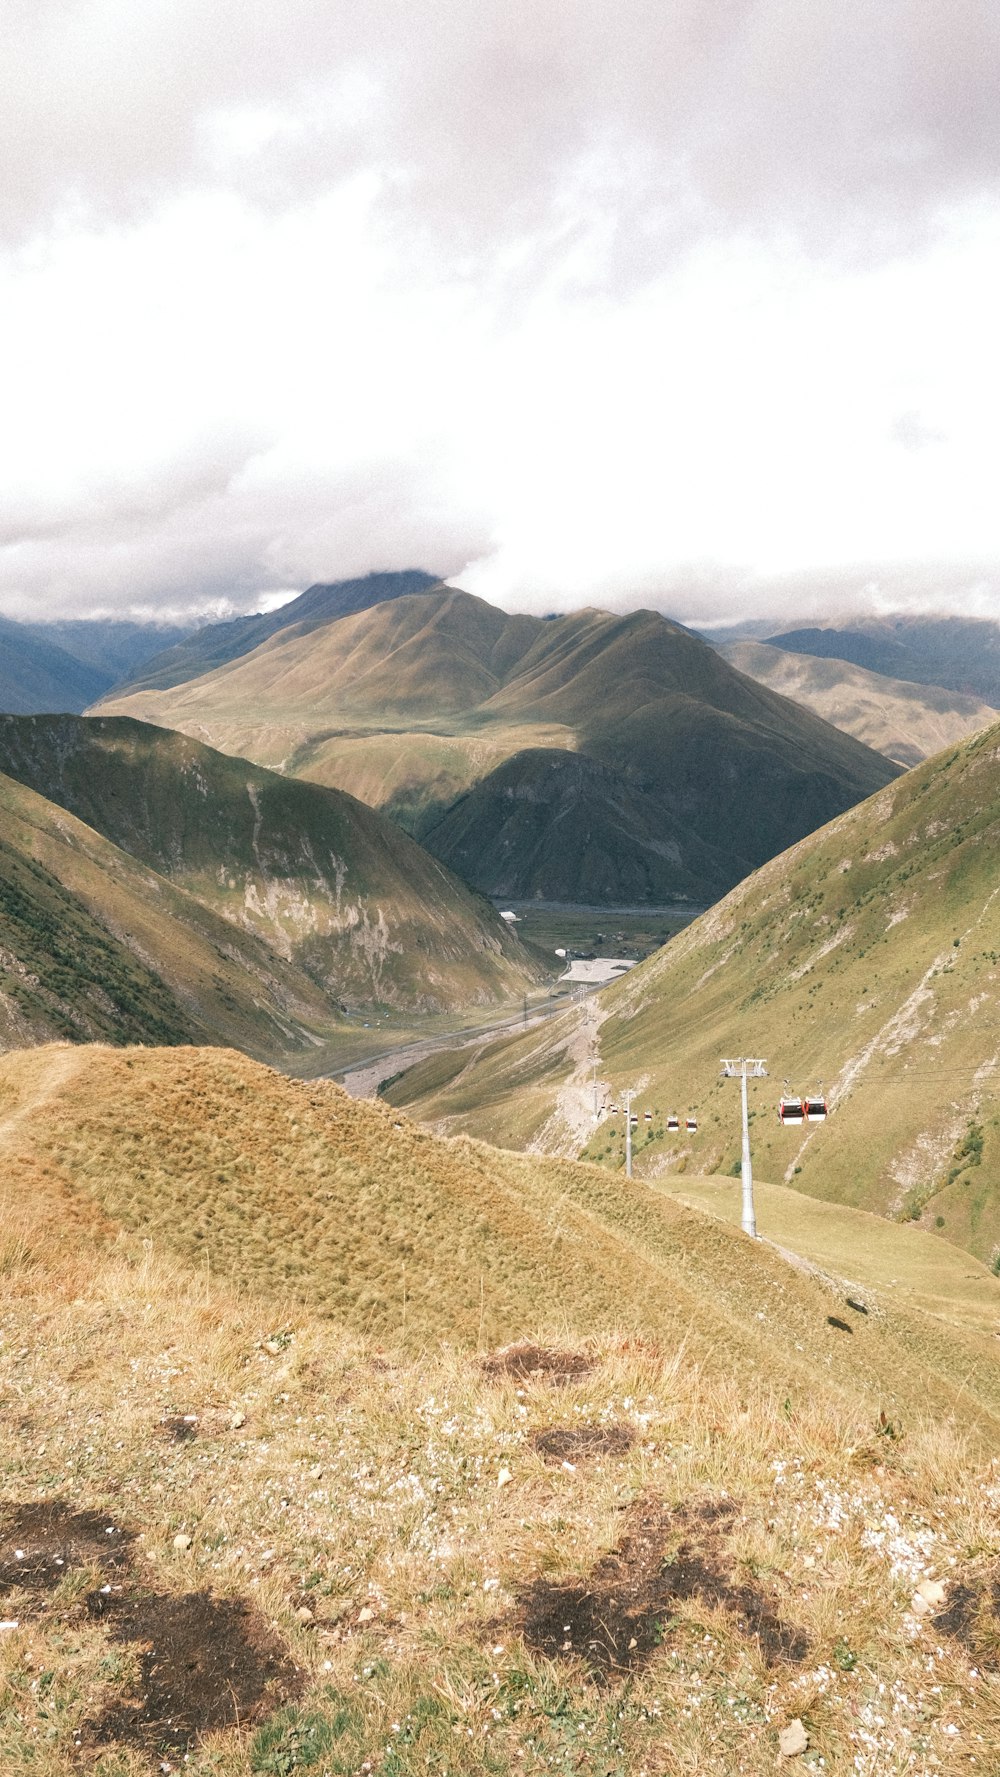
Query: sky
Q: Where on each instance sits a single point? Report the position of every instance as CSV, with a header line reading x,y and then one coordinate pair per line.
x,y
681,303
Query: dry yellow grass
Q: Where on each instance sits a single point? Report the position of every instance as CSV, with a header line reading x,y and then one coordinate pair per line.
x,y
356,1213
372,1493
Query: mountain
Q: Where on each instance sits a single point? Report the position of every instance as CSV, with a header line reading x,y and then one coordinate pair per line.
x,y
864,962
115,646
64,666
96,946
430,698
958,653
217,643
340,893
36,674
906,722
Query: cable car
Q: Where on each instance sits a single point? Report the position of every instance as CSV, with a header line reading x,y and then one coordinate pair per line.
x,y
815,1109
673,1123
691,1124
613,1110
792,1110
634,1118
648,1116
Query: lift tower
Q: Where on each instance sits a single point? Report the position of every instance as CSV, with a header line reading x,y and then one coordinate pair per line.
x,y
744,1068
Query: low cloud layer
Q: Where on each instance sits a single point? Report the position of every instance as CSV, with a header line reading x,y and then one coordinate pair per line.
x,y
620,303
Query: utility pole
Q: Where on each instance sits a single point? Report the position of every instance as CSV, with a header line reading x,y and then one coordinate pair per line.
x,y
595,1088
746,1067
627,1098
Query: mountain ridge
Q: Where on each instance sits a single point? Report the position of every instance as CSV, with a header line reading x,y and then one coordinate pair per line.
x,y
448,690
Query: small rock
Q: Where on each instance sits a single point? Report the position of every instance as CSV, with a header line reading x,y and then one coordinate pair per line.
x,y
274,1346
919,1605
792,1739
933,1591
182,1541
366,1614
503,1477
237,1419
316,1474
304,1614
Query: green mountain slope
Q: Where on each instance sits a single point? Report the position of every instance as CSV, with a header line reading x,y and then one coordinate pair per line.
x,y
717,771
338,891
217,643
866,958
94,945
36,674
905,721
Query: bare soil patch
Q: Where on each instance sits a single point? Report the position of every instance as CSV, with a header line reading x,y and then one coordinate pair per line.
x,y
179,1428
205,1663
972,1618
627,1606
526,1360
42,1541
578,1443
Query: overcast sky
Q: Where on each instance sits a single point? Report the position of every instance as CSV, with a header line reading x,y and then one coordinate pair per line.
x,y
690,303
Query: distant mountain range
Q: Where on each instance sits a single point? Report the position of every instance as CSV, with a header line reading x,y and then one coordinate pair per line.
x,y
588,756
64,666
905,721
958,653
260,905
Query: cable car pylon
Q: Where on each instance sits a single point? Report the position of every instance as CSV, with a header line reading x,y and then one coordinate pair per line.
x,y
755,1069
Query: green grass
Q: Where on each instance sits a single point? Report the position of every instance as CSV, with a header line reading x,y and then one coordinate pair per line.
x,y
868,958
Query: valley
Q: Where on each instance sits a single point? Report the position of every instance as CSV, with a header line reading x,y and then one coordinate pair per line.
x,y
422,1438
863,963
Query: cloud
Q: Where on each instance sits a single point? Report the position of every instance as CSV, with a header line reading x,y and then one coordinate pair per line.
x,y
486,124
658,303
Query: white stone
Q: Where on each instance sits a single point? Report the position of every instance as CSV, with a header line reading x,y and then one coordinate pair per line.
x,y
792,1739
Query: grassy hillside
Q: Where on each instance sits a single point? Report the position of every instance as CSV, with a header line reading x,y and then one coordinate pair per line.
x,y
237,1538
341,1205
339,892
95,945
867,957
439,705
217,643
905,721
